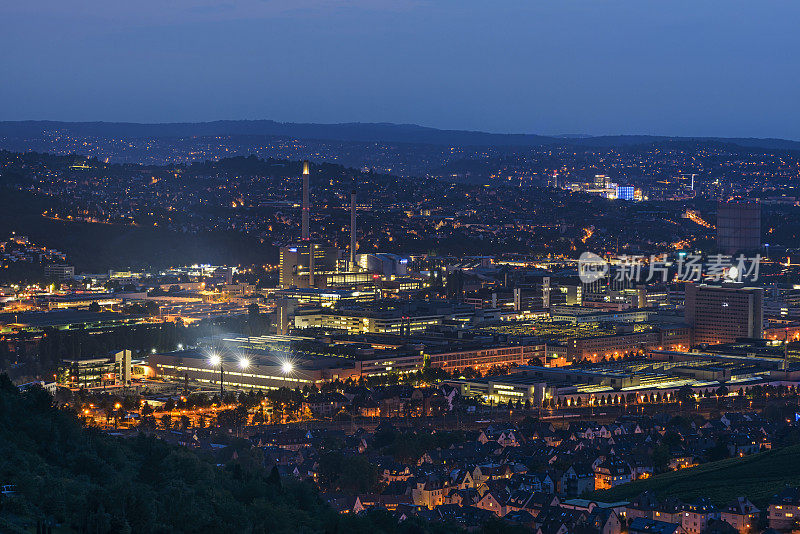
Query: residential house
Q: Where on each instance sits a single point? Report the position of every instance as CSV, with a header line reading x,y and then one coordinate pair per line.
x,y
642,525
494,501
604,521
372,500
430,491
612,472
647,506
681,462
470,517
391,472
556,520
577,480
325,404
742,515
783,511
718,526
541,501
462,497
697,515
520,517
505,437
485,472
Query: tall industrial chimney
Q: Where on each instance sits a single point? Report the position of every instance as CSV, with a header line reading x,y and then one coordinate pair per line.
x,y
311,249
353,230
306,207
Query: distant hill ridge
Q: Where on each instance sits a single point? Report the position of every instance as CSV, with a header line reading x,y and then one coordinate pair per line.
x,y
357,132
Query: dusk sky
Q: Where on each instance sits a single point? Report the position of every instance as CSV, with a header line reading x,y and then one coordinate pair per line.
x,y
706,68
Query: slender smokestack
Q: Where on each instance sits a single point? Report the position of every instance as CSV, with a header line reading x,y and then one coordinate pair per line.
x,y
306,207
353,230
311,281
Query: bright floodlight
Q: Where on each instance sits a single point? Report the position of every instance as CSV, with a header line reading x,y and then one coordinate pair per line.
x,y
287,367
244,363
214,360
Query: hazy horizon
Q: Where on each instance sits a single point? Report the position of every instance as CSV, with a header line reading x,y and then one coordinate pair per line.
x,y
710,69
565,135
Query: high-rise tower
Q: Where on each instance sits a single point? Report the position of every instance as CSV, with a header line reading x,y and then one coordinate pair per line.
x,y
720,314
739,226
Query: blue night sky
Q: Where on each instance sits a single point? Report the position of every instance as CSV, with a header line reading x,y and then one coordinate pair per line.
x,y
697,67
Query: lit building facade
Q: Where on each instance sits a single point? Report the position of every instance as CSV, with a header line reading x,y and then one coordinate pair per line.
x,y
720,314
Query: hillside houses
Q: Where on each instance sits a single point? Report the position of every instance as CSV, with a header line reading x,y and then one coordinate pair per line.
x,y
535,474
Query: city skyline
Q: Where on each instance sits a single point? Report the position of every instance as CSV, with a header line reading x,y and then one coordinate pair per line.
x,y
400,266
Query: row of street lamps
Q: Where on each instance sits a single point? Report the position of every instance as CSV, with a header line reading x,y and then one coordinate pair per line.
x,y
215,360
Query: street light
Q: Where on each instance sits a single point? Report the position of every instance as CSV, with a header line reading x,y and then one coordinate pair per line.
x,y
286,368
215,361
